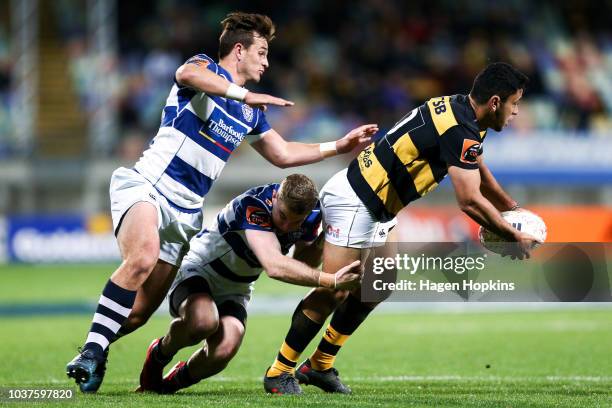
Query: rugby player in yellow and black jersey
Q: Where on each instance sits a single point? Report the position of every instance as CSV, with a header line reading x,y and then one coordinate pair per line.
x,y
443,136
415,154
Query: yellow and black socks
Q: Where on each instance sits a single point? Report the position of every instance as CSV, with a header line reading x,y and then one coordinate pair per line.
x,y
346,319
301,332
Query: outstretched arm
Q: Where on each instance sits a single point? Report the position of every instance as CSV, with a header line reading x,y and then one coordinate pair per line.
x,y
266,247
196,76
285,154
492,191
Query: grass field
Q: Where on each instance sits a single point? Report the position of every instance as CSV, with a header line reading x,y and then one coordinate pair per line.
x,y
540,359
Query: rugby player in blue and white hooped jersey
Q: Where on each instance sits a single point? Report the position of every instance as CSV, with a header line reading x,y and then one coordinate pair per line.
x,y
209,297
156,206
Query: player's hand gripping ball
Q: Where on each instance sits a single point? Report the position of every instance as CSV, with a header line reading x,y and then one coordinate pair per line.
x,y
522,220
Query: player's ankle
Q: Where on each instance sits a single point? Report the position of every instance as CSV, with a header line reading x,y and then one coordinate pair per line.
x,y
276,371
162,353
95,350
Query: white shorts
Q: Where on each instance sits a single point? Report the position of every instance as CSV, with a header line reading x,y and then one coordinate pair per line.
x,y
222,290
176,227
346,220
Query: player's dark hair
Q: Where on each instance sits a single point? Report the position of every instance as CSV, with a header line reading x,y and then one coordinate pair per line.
x,y
498,78
239,27
299,193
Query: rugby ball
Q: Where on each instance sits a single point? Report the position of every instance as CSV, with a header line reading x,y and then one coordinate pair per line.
x,y
522,220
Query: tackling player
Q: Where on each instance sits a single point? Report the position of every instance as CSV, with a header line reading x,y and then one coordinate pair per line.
x,y
157,205
215,281
359,204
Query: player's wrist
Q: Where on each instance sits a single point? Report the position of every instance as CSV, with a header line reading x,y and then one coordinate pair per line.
x,y
236,92
328,149
327,280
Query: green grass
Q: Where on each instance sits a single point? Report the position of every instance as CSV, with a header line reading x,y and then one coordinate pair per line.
x,y
71,283
536,359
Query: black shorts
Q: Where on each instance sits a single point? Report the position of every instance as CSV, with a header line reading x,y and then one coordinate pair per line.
x,y
197,284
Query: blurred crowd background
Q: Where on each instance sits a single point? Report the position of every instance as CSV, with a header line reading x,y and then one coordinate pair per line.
x,y
346,61
343,62
83,82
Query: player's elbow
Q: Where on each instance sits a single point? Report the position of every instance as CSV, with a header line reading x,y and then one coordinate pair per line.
x,y
185,75
273,268
280,159
273,272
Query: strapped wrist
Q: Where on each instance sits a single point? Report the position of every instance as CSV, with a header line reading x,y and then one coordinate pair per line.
x,y
236,92
327,280
328,149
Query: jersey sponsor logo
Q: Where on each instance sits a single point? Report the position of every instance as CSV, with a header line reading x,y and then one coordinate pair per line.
x,y
258,216
470,151
247,111
365,156
225,128
226,131
334,232
199,61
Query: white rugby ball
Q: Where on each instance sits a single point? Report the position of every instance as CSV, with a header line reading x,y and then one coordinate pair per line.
x,y
522,220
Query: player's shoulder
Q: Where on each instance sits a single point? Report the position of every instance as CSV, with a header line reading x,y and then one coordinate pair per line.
x,y
309,230
204,60
200,59
463,112
263,193
255,205
315,215
456,114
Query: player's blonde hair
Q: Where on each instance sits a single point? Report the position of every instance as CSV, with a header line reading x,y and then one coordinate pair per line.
x,y
299,193
240,27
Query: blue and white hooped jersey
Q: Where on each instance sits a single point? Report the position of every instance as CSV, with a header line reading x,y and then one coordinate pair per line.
x,y
224,248
198,133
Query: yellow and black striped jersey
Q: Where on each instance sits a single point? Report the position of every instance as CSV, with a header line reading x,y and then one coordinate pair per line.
x,y
413,157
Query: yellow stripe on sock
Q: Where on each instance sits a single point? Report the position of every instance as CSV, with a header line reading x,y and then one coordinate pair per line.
x,y
278,368
289,353
321,361
335,338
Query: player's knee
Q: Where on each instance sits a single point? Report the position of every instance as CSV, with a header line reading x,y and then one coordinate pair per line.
x,y
224,354
323,301
142,264
202,327
339,297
